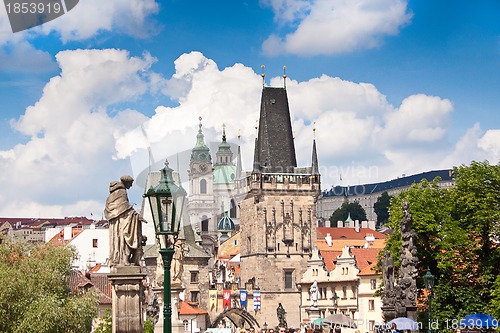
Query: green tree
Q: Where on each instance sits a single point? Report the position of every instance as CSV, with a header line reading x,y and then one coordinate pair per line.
x,y
381,208
106,323
34,291
353,208
455,234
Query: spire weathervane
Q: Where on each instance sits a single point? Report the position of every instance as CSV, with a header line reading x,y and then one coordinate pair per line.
x,y
314,130
284,77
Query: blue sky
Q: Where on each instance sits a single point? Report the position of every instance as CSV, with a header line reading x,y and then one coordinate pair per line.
x,y
392,87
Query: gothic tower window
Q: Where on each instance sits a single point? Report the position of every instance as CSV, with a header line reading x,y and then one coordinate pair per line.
x,y
232,211
203,186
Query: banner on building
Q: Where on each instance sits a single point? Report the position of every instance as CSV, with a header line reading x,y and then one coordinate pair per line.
x,y
256,301
212,295
243,299
226,298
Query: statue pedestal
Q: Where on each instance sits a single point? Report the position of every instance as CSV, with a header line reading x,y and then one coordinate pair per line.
x,y
313,313
388,313
128,298
177,325
411,312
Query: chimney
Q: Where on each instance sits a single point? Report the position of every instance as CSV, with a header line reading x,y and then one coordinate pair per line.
x,y
328,240
340,224
356,225
67,233
364,224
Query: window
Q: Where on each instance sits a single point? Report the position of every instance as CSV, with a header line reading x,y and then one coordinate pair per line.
x,y
322,293
344,292
203,186
353,290
371,305
232,211
194,276
373,283
204,223
94,243
288,279
195,296
186,325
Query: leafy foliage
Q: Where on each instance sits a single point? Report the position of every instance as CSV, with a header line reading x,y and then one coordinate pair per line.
x,y
457,231
381,208
149,327
106,323
353,208
34,291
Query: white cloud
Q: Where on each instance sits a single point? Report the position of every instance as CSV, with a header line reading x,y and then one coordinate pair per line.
x,y
91,17
86,20
79,142
72,131
419,119
490,143
335,26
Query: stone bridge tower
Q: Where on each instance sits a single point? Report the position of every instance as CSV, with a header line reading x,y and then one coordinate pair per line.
x,y
278,220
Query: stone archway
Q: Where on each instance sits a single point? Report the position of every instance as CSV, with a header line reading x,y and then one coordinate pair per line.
x,y
239,317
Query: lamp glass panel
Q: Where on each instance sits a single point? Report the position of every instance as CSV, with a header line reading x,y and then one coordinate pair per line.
x,y
153,205
165,205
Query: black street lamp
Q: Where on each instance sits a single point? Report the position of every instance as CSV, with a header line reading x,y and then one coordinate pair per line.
x,y
429,284
166,201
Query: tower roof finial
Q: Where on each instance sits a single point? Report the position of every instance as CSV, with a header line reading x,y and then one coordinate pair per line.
x,y
284,77
263,75
223,132
314,130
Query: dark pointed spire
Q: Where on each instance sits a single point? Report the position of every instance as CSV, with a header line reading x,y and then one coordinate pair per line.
x,y
314,163
274,148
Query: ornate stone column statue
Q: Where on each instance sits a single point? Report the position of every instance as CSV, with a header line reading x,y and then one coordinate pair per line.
x,y
125,252
399,298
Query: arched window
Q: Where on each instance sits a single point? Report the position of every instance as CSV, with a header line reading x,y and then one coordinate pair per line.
x,y
203,186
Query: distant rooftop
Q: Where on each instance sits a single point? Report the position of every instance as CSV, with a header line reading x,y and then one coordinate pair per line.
x,y
445,175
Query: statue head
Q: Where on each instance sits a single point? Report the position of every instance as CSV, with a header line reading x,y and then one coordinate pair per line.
x,y
127,181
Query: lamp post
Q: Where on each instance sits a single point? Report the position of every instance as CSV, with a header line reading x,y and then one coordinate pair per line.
x,y
166,201
429,284
264,327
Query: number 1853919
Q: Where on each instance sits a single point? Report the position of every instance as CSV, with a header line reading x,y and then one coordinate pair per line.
x,y
47,7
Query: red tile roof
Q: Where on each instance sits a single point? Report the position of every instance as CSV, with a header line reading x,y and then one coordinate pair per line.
x,y
101,282
348,233
366,259
190,308
78,282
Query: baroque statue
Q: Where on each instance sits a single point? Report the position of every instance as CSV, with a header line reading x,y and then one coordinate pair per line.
x,y
281,314
125,230
314,293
